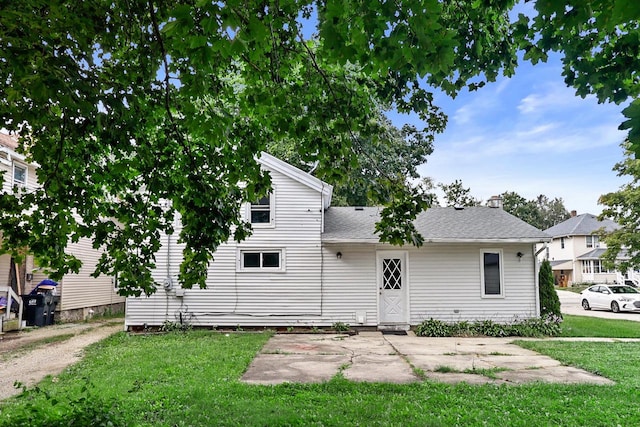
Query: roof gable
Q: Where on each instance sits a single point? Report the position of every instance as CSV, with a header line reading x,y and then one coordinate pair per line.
x,y
581,225
273,163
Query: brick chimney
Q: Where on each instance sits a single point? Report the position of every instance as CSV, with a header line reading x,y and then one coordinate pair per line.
x,y
495,202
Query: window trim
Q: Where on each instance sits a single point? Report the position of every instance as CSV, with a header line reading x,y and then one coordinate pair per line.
x,y
262,250
272,213
26,174
592,241
500,254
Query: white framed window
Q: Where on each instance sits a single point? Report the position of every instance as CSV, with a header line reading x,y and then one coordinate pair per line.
x,y
593,241
261,260
598,267
587,267
562,243
491,275
262,212
19,175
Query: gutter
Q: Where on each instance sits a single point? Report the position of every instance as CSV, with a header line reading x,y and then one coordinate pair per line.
x,y
438,240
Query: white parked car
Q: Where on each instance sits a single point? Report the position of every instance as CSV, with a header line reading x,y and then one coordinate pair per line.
x,y
611,297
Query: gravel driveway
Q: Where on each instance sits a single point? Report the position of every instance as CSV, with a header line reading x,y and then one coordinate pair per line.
x,y
19,362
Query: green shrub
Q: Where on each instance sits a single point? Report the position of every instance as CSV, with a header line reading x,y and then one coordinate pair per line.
x,y
340,327
549,301
168,326
87,409
433,328
548,325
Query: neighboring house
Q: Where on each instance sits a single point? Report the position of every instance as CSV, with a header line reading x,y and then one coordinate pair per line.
x,y
309,264
575,251
80,294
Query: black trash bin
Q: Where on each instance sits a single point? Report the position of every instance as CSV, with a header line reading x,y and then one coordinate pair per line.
x,y
50,303
34,307
40,304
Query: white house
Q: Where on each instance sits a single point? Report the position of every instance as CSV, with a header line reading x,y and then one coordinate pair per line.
x,y
80,294
575,251
310,264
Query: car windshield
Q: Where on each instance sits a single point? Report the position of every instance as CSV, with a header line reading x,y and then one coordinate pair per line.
x,y
623,290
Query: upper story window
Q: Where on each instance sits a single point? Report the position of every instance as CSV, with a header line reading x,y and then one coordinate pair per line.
x,y
19,175
262,212
491,273
562,243
593,241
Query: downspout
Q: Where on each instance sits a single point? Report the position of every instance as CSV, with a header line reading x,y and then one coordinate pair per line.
x,y
321,251
536,276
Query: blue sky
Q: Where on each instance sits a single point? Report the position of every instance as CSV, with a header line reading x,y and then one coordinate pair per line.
x,y
529,134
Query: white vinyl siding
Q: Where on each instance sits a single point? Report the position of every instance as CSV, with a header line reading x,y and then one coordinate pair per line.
x,y
251,298
445,284
82,290
320,288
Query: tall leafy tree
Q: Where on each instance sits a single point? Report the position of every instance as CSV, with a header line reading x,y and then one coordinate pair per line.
x,y
139,111
540,212
456,195
552,211
386,157
623,207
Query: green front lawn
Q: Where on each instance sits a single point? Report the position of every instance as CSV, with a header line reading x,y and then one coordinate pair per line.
x,y
584,326
181,379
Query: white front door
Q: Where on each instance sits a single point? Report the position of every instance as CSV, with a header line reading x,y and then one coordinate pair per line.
x,y
392,287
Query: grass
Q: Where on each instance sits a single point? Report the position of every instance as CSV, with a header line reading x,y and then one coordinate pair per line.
x,y
181,379
577,288
583,326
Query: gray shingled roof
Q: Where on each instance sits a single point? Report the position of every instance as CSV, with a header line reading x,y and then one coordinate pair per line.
x,y
581,225
435,224
594,254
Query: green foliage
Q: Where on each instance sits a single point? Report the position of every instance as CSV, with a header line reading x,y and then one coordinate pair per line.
x,y
548,325
623,207
540,212
385,157
139,113
600,43
549,301
340,327
152,381
168,326
456,195
45,409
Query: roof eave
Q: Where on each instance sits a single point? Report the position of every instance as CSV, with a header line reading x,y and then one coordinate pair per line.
x,y
443,240
299,175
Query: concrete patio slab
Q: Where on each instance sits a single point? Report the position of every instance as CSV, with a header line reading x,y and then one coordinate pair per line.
x,y
374,357
380,368
294,368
